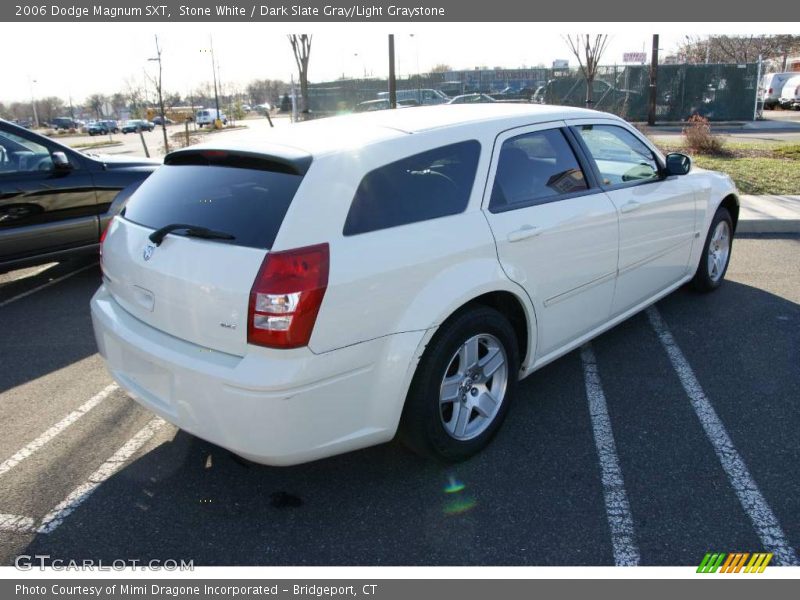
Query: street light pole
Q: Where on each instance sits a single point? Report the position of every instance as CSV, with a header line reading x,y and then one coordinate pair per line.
x,y
214,75
33,104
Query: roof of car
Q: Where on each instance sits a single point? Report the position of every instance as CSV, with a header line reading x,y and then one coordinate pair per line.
x,y
332,134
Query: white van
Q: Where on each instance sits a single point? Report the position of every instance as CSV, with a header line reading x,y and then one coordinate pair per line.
x,y
772,84
207,116
790,95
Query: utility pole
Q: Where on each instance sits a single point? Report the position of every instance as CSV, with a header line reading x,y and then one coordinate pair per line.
x,y
392,77
651,112
33,104
214,69
214,74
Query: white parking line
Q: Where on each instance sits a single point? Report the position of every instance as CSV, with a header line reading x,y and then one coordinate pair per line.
x,y
626,552
59,427
45,285
753,502
32,272
16,523
80,494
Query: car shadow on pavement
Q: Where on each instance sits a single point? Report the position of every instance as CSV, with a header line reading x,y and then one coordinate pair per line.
x,y
49,329
188,499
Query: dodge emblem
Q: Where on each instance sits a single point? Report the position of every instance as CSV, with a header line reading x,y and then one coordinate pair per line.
x,y
148,252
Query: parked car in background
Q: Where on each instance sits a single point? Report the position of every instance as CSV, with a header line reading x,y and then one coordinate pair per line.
x,y
136,125
472,99
423,96
772,87
102,127
208,116
524,94
382,104
157,120
55,201
457,250
64,123
97,128
790,94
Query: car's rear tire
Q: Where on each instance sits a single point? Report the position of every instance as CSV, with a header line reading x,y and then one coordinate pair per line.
x,y
716,253
463,386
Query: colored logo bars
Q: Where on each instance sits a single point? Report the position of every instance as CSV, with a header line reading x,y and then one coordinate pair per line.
x,y
734,562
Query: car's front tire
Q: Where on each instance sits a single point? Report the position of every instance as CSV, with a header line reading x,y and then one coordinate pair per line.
x,y
716,253
463,386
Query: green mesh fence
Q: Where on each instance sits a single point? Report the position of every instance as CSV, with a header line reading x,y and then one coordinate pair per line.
x,y
720,92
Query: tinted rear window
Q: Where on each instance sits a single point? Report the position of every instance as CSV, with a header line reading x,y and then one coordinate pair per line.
x,y
246,203
425,186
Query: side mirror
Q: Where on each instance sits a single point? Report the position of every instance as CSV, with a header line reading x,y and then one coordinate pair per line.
x,y
60,162
678,164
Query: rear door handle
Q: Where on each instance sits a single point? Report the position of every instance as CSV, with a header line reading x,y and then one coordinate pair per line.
x,y
523,233
630,206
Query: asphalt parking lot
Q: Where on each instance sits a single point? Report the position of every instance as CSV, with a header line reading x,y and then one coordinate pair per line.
x,y
610,454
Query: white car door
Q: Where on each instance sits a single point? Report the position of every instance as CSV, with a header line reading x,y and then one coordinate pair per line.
x,y
556,231
656,213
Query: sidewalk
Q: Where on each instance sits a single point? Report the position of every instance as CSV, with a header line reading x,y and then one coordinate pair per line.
x,y
769,214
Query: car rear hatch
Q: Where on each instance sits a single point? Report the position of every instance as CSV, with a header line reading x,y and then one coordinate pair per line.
x,y
221,211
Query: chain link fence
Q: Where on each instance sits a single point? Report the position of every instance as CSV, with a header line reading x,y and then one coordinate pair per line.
x,y
720,92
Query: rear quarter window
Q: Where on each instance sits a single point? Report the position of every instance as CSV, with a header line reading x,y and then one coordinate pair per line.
x,y
425,186
249,204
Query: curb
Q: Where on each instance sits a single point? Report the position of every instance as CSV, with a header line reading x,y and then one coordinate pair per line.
x,y
768,226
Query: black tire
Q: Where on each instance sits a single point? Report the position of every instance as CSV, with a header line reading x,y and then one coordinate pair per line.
x,y
703,281
421,426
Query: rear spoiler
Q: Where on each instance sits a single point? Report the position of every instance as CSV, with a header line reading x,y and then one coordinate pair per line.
x,y
287,160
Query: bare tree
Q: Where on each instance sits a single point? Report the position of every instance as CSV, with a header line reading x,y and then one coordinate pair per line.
x,y
260,91
301,46
441,68
135,96
588,49
95,103
50,107
737,48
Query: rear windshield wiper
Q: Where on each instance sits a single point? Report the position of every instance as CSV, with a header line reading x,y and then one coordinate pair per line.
x,y
191,230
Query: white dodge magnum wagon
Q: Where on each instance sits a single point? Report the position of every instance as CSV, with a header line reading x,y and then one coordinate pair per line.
x,y
347,279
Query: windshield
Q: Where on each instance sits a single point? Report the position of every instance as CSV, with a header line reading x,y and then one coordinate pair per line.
x,y
249,204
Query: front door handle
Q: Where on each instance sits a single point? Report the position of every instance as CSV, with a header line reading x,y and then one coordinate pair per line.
x,y
630,206
523,233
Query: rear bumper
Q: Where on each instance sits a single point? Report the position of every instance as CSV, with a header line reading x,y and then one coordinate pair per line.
x,y
276,407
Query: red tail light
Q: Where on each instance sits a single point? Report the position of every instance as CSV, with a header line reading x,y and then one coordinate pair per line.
x,y
770,91
286,297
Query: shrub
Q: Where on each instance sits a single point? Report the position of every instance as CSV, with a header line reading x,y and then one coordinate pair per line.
x,y
699,138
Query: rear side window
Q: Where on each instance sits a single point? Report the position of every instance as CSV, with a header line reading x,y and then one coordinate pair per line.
x,y
534,168
425,186
249,204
